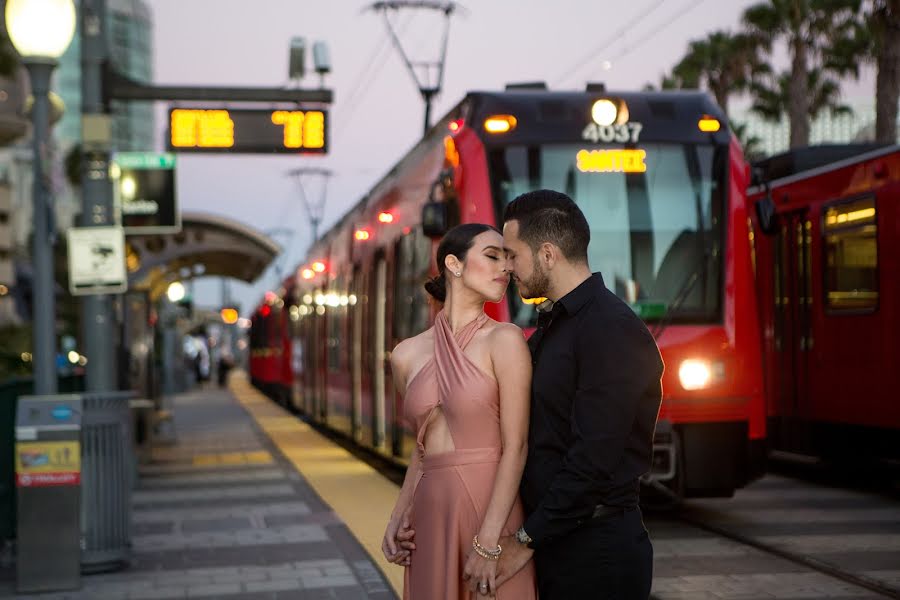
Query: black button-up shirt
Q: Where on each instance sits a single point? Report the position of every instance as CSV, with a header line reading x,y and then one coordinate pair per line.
x,y
595,397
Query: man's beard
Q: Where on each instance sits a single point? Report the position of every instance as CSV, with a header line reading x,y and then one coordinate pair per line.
x,y
537,285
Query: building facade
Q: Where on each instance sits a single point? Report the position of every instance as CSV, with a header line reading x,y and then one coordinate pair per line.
x,y
774,138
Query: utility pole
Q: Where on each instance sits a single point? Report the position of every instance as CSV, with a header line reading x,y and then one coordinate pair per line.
x,y
427,88
315,207
97,316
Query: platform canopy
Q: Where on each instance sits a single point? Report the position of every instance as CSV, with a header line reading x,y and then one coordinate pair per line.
x,y
207,245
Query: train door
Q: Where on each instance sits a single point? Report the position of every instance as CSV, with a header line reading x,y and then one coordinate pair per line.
x,y
853,339
318,352
379,341
357,291
793,331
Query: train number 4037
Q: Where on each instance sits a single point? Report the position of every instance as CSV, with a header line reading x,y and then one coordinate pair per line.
x,y
626,132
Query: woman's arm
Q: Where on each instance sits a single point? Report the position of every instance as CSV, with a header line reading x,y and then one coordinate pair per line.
x,y
398,515
512,368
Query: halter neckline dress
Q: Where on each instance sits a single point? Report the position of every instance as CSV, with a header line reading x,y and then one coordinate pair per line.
x,y
454,488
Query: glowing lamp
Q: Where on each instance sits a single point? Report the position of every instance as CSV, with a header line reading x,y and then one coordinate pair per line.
x,y
708,124
361,235
175,292
604,112
318,266
455,125
695,374
307,273
500,123
385,217
265,310
40,28
229,316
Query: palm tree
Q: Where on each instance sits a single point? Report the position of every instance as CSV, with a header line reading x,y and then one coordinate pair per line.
x,y
722,62
884,24
823,39
823,93
751,144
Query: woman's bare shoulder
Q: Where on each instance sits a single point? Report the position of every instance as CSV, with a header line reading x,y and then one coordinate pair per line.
x,y
505,333
406,351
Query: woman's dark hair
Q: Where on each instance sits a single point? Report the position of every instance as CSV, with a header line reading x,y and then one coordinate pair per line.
x,y
457,242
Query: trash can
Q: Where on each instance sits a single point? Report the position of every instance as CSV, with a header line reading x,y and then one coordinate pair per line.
x,y
107,473
48,477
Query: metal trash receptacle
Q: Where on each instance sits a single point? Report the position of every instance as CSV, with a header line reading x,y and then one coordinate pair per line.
x,y
48,477
107,475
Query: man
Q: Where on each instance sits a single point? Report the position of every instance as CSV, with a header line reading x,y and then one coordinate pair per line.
x,y
595,397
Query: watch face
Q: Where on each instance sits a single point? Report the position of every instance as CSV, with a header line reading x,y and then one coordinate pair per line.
x,y
522,537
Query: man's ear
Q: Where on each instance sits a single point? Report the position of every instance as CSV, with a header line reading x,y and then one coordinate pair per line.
x,y
548,254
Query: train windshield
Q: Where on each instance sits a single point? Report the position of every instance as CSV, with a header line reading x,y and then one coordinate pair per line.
x,y
655,213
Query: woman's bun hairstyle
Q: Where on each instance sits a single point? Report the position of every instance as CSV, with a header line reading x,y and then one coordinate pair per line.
x,y
457,242
437,287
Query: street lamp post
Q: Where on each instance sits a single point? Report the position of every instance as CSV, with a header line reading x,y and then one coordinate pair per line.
x,y
41,30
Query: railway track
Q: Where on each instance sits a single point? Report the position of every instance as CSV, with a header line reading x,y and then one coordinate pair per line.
x,y
781,537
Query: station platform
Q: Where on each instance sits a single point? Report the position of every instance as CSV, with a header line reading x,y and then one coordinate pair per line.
x,y
249,503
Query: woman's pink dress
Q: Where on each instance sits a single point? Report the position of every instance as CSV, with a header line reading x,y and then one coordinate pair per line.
x,y
454,488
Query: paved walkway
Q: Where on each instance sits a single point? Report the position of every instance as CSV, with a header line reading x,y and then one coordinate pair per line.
x,y
223,514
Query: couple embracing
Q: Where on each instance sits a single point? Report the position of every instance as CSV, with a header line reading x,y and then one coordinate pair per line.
x,y
526,451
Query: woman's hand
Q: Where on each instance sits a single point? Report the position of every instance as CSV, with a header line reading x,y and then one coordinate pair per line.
x,y
389,546
397,544
481,574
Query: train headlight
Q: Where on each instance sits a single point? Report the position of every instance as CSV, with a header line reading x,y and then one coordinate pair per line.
x,y
698,373
604,112
695,374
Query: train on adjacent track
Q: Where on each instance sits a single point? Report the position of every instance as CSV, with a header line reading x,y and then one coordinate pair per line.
x,y
662,182
826,239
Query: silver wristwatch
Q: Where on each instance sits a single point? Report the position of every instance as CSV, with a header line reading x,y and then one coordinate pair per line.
x,y
523,538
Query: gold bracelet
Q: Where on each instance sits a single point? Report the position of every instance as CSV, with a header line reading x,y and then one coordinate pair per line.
x,y
484,552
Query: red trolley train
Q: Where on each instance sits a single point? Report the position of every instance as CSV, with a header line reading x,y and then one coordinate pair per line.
x,y
662,182
827,249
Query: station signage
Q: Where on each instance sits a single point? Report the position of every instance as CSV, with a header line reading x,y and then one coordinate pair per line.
x,y
144,185
97,260
251,131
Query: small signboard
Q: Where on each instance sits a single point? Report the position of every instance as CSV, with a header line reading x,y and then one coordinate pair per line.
x,y
145,192
41,464
97,260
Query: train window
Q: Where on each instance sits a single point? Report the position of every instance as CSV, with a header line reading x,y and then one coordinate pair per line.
x,y
851,255
413,256
336,302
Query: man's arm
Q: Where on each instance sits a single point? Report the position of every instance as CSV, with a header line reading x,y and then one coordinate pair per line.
x,y
617,361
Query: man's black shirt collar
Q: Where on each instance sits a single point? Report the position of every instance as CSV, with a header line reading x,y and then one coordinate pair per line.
x,y
581,295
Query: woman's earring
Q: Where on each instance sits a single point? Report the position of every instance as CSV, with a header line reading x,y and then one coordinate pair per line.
x,y
458,274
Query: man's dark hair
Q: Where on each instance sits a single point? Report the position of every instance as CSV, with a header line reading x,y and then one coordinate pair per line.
x,y
549,216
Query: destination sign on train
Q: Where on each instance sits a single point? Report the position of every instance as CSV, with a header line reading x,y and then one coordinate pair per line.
x,y
611,161
250,131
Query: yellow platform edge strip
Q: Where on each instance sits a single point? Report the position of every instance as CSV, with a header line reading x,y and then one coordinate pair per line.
x,y
357,493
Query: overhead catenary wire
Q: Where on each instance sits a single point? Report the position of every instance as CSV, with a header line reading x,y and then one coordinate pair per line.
x,y
593,54
628,48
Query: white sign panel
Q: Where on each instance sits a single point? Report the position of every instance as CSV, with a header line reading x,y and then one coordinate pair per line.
x,y
97,260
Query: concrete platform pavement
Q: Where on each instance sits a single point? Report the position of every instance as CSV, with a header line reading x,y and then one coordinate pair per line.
x,y
223,513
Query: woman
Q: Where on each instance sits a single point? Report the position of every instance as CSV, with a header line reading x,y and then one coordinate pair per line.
x,y
466,383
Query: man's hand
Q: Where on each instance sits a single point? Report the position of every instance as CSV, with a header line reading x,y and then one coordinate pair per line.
x,y
515,555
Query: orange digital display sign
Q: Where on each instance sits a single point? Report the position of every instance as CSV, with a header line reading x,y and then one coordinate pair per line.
x,y
611,161
248,131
